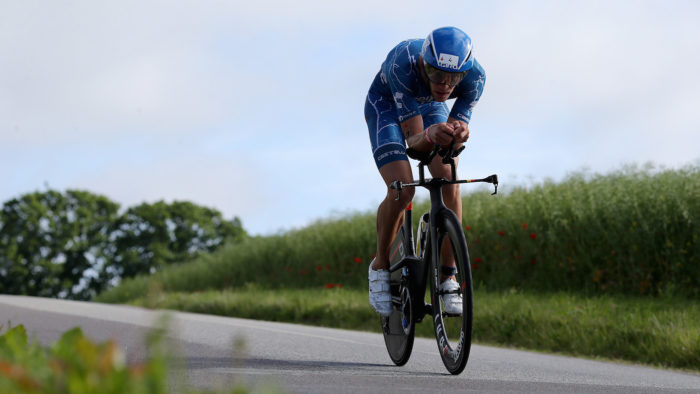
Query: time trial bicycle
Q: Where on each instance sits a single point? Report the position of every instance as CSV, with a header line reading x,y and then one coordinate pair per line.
x,y
439,232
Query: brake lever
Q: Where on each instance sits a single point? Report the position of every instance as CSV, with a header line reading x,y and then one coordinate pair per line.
x,y
396,185
494,180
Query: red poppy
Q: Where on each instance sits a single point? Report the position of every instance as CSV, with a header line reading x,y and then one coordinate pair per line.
x,y
475,266
288,269
478,260
330,285
338,285
533,235
502,233
319,268
467,227
524,226
302,272
358,260
532,261
328,267
478,240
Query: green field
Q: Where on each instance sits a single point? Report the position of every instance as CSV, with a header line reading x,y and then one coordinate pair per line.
x,y
597,265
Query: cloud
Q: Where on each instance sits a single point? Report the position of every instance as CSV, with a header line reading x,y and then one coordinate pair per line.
x,y
227,184
604,82
195,100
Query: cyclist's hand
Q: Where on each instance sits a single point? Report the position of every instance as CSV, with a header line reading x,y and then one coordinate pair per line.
x,y
441,133
461,131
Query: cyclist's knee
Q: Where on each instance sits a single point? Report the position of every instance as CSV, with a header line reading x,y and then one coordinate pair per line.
x,y
406,196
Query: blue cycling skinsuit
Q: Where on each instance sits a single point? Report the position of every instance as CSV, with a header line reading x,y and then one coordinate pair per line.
x,y
399,92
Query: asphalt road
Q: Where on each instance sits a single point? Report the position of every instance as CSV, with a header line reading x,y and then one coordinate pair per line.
x,y
308,359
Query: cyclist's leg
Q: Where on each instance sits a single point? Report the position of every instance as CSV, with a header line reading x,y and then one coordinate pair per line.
x,y
436,113
388,148
390,211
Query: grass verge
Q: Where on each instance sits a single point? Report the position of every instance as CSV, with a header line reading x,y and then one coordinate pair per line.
x,y
659,332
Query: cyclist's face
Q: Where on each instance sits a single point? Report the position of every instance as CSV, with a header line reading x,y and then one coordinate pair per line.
x,y
441,83
441,92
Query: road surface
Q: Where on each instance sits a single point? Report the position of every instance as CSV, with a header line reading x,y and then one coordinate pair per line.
x,y
308,359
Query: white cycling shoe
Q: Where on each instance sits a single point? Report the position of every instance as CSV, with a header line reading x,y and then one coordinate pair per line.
x,y
379,291
453,301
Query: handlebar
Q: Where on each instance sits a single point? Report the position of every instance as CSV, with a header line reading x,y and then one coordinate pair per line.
x,y
448,155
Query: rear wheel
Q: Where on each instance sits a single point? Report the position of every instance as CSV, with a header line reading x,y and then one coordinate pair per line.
x,y
453,332
399,328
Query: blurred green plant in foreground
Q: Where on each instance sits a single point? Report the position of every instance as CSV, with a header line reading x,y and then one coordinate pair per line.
x,y
75,364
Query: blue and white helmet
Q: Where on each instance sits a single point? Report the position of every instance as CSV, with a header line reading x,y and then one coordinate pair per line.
x,y
448,49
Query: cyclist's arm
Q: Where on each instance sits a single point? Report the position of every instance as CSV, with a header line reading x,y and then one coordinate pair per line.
x,y
468,94
413,133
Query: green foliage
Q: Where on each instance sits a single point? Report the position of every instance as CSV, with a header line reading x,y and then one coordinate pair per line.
x,y
661,331
327,253
150,236
75,364
633,232
49,240
607,241
74,245
658,331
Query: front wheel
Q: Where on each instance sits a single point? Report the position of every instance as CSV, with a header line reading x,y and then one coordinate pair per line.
x,y
453,332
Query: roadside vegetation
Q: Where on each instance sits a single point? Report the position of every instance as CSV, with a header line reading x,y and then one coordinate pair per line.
x,y
596,265
75,244
76,364
656,331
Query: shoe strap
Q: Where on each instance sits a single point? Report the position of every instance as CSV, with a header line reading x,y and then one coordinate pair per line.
x,y
448,271
379,286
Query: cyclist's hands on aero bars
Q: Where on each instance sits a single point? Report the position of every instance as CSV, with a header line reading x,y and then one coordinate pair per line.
x,y
461,132
444,134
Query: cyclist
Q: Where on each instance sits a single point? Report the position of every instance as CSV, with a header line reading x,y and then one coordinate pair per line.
x,y
406,106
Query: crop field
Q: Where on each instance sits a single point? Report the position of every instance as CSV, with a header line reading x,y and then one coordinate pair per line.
x,y
565,258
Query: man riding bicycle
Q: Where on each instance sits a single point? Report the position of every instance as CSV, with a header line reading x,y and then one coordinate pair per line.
x,y
405,107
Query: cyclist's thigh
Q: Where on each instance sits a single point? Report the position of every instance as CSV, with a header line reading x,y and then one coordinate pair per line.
x,y
388,144
399,170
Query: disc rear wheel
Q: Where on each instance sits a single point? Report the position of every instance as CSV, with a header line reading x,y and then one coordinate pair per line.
x,y
399,327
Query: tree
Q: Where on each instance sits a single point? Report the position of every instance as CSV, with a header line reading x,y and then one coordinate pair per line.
x,y
76,245
53,244
150,236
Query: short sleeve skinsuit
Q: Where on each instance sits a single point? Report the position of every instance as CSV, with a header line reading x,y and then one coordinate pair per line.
x,y
398,92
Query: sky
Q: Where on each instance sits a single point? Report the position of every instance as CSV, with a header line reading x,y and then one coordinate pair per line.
x,y
256,108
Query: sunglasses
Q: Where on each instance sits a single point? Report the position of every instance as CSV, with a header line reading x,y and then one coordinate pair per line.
x,y
440,77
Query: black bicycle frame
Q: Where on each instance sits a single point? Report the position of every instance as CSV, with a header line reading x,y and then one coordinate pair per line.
x,y
418,269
